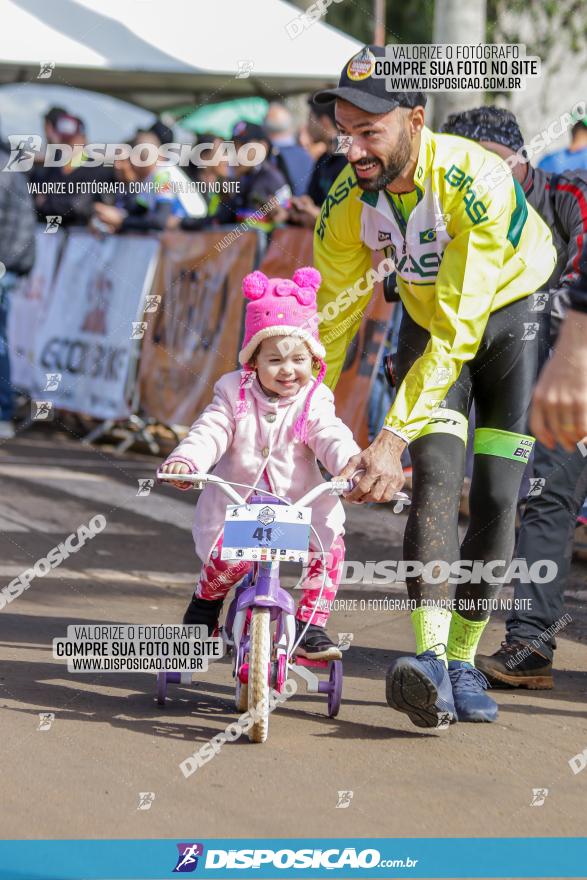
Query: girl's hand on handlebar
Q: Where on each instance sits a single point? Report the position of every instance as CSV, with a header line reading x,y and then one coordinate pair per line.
x,y
177,467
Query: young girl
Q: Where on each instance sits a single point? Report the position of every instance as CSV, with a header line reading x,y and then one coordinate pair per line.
x,y
265,427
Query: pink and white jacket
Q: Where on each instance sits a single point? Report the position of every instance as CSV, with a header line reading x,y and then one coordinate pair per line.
x,y
243,441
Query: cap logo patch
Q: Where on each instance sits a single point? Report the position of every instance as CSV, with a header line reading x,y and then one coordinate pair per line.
x,y
361,66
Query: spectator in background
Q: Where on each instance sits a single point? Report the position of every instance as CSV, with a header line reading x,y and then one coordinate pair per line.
x,y
208,176
157,206
190,203
311,146
17,254
264,194
74,208
575,156
162,132
322,128
294,162
50,121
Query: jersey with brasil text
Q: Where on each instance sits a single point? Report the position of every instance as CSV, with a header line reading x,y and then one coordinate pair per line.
x,y
471,245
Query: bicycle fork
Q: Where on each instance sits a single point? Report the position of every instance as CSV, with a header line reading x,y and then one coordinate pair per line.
x,y
266,592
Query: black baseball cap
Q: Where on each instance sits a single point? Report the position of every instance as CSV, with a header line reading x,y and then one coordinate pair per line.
x,y
162,131
53,114
359,87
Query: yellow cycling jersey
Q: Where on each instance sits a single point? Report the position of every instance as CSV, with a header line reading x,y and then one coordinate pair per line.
x,y
470,246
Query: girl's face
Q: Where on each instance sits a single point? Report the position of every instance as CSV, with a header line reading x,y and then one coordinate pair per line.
x,y
284,365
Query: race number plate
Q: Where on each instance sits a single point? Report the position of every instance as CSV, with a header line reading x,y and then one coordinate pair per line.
x,y
266,533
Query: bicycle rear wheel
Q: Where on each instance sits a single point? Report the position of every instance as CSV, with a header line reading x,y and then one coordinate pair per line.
x,y
259,660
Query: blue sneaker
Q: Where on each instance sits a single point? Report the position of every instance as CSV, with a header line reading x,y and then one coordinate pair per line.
x,y
468,689
420,687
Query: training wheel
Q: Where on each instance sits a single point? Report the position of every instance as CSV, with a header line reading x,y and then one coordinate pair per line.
x,y
162,680
161,687
335,688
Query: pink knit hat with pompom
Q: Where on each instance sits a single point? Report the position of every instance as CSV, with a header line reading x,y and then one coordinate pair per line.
x,y
280,307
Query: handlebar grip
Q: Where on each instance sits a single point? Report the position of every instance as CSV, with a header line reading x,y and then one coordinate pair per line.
x,y
182,478
341,486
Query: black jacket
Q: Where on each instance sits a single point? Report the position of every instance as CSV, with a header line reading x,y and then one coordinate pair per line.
x,y
17,220
561,201
75,208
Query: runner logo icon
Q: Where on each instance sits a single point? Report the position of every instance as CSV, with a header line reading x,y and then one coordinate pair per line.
x,y
187,859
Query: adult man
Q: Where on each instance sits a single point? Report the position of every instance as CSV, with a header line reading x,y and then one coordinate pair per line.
x,y
560,477
572,158
17,254
466,266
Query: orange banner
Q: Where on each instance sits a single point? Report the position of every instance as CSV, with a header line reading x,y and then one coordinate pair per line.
x,y
194,336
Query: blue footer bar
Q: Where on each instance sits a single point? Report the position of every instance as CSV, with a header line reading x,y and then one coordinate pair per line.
x,y
554,857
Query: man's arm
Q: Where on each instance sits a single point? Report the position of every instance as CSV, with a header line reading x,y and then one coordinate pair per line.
x,y
559,408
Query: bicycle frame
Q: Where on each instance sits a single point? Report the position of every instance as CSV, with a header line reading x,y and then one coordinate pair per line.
x,y
266,591
262,658
261,588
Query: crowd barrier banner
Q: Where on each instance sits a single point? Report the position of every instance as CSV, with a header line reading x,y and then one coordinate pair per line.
x,y
74,318
194,336
290,248
29,305
92,329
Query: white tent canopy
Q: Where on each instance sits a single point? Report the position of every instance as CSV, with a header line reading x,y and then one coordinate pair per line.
x,y
158,54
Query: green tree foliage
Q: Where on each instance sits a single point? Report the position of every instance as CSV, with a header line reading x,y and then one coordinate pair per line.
x,y
405,22
544,22
537,23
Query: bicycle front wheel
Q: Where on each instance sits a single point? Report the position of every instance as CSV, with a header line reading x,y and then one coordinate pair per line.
x,y
259,660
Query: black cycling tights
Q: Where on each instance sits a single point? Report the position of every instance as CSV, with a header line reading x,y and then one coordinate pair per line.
x,y
431,534
499,381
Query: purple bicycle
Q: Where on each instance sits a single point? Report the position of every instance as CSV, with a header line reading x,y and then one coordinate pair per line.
x,y
260,625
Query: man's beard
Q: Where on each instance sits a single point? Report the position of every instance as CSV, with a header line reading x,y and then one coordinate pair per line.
x,y
392,169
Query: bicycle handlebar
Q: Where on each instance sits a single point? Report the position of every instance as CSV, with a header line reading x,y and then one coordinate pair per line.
x,y
199,480
334,487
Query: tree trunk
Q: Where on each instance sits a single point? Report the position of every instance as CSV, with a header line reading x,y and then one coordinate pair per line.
x,y
457,22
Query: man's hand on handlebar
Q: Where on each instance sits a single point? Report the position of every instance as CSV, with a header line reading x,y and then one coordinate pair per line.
x,y
177,467
383,473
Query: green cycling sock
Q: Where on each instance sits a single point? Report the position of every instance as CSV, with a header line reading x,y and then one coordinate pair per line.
x,y
431,626
463,638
